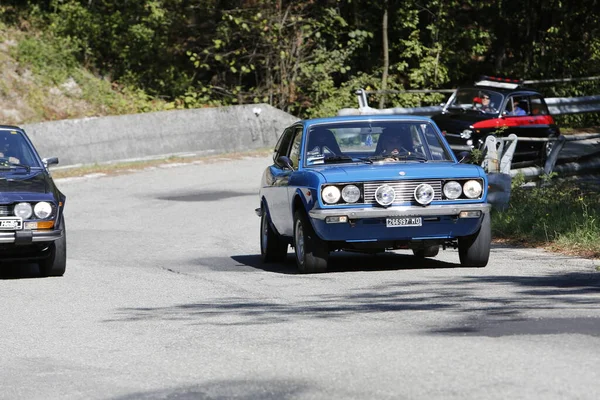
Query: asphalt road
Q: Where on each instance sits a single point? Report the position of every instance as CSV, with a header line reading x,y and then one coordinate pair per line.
x,y
165,298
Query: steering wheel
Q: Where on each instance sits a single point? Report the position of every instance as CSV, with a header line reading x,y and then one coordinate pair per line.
x,y
398,151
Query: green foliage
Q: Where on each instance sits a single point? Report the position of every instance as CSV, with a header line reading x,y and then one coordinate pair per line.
x,y
54,56
309,57
476,157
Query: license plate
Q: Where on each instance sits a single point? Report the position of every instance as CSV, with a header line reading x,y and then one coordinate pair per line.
x,y
400,222
11,224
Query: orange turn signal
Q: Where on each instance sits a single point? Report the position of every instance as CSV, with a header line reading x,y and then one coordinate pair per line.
x,y
39,225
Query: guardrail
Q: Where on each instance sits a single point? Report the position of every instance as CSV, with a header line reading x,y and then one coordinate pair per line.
x,y
498,155
556,105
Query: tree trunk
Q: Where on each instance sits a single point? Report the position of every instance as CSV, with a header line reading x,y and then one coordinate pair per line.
x,y
386,55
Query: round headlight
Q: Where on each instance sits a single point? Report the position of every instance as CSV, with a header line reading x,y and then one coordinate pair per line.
x,y
23,210
331,194
42,210
385,195
350,193
452,190
424,193
472,189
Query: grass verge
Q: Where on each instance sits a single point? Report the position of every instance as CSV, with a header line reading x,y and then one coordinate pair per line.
x,y
559,216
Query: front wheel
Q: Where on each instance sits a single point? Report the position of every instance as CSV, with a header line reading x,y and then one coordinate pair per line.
x,y
312,253
56,263
474,250
272,247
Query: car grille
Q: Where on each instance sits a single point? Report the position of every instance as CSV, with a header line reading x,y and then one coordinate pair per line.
x,y
5,211
404,190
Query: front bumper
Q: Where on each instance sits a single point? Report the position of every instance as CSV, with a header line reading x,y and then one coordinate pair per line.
x,y
369,224
399,211
27,236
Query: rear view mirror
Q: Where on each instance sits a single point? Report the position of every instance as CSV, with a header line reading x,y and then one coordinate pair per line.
x,y
464,156
50,161
286,162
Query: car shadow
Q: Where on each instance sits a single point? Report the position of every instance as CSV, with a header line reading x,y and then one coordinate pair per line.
x,y
344,261
18,271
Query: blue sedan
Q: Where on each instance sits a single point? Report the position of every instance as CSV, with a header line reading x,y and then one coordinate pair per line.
x,y
371,183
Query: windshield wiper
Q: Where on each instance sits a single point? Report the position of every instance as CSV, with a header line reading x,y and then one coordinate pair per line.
x,y
15,165
338,159
401,156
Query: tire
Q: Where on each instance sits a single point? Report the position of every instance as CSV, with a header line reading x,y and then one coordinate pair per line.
x,y
312,253
474,250
272,247
56,263
429,251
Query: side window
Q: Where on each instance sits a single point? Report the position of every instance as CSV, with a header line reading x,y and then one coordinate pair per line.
x,y
517,106
295,148
538,106
282,145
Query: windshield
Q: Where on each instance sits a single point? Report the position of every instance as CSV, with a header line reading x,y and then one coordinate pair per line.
x,y
15,151
474,99
371,141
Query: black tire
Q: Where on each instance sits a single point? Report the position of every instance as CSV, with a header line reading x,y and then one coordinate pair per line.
x,y
56,263
272,246
312,253
429,251
474,250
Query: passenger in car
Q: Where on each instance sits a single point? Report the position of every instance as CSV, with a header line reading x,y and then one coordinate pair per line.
x,y
323,141
516,110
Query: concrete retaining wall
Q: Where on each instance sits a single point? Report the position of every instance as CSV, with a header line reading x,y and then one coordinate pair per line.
x,y
126,137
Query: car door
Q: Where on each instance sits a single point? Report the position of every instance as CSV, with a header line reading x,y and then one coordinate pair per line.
x,y
533,121
287,227
275,182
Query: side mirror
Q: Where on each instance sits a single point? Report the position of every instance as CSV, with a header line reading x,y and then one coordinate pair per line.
x,y
285,160
464,156
50,161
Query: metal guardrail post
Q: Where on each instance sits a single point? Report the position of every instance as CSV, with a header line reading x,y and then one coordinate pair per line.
x,y
362,98
507,155
553,156
490,162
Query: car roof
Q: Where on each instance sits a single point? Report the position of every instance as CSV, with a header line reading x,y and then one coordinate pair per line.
x,y
501,85
520,90
10,127
360,118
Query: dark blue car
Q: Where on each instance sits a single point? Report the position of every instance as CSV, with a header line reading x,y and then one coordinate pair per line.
x,y
371,183
32,225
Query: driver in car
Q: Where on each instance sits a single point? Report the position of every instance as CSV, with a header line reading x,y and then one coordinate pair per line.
x,y
395,143
7,149
486,105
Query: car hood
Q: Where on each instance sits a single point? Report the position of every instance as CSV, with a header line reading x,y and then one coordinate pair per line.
x,y
457,122
34,182
398,170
